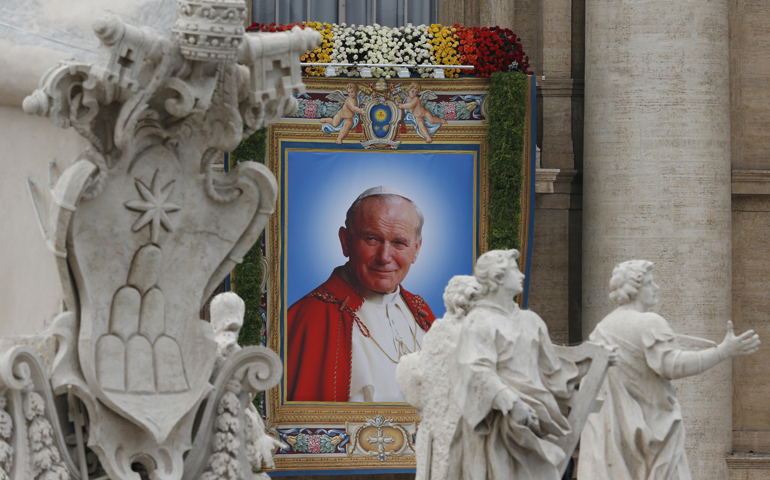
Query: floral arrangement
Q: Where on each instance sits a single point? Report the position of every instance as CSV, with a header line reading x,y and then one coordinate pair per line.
x,y
489,49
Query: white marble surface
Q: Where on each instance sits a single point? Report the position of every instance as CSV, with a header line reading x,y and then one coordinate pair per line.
x,y
639,433
423,380
142,230
490,387
227,310
656,181
34,35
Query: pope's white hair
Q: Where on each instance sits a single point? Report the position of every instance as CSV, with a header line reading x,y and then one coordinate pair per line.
x,y
389,198
627,278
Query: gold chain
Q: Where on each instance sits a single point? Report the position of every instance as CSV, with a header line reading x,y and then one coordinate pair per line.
x,y
414,336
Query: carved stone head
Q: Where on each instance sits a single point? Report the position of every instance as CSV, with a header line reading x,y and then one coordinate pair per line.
x,y
227,310
460,294
627,278
492,267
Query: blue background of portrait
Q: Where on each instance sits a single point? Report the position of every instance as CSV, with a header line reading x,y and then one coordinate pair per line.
x,y
320,186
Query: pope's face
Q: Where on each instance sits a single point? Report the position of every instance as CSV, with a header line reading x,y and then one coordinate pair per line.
x,y
514,279
384,244
648,292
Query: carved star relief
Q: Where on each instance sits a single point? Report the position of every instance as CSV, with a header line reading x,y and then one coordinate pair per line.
x,y
154,206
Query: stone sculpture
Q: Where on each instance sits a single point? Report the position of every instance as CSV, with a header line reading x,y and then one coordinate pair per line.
x,y
639,434
227,310
143,230
422,379
500,415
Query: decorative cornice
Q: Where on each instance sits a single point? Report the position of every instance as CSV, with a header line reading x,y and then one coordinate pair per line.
x,y
561,87
546,177
751,182
744,461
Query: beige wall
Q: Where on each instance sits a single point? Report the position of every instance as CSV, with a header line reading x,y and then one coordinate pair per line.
x,y
750,83
30,292
657,184
750,136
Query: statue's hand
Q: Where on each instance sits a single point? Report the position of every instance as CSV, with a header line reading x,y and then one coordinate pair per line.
x,y
504,401
523,414
520,412
614,355
744,344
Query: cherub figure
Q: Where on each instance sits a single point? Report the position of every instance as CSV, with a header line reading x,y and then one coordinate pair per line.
x,y
418,114
345,118
227,310
422,379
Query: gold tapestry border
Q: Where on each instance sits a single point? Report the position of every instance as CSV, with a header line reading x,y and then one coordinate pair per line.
x,y
331,414
468,85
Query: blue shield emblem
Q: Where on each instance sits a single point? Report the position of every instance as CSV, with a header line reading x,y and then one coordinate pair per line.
x,y
380,116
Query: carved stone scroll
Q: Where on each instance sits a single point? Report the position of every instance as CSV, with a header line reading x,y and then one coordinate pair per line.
x,y
143,229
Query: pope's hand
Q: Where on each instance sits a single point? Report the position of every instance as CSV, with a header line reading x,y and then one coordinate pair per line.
x,y
744,344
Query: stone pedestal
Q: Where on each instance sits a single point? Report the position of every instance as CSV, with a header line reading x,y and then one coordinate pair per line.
x,y
657,183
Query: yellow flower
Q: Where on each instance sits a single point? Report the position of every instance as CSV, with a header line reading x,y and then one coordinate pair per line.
x,y
441,48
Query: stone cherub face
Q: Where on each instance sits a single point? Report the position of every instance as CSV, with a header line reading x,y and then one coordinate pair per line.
x,y
227,310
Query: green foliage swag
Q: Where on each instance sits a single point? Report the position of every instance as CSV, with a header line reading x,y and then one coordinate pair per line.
x,y
248,275
505,144
505,141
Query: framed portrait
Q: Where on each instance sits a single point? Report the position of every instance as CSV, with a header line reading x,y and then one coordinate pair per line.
x,y
384,196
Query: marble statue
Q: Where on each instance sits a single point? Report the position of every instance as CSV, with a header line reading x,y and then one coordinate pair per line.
x,y
500,414
227,310
639,434
422,379
143,230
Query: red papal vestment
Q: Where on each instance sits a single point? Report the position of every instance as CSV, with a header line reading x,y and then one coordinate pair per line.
x,y
320,331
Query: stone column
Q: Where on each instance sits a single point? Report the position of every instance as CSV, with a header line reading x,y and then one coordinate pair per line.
x,y
555,274
497,13
657,183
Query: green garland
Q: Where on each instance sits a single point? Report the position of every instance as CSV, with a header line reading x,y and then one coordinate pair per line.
x,y
505,142
248,275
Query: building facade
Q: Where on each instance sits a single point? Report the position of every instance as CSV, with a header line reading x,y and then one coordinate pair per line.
x,y
654,131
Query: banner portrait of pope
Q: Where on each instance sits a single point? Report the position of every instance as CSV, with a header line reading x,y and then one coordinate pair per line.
x,y
345,333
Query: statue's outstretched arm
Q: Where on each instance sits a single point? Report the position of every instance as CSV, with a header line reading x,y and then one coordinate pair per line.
x,y
685,363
